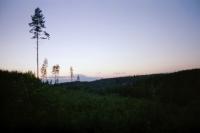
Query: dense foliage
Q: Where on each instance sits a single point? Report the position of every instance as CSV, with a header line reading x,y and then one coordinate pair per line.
x,y
150,103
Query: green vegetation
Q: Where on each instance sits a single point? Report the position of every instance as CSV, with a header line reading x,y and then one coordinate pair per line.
x,y
150,103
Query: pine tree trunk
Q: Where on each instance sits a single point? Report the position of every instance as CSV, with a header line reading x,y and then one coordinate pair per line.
x,y
37,59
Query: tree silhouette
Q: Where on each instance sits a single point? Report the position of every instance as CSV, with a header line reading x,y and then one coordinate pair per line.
x,y
55,72
44,69
71,73
78,78
37,26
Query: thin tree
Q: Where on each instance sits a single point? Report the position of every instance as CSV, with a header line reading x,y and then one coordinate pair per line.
x,y
55,72
71,73
37,28
78,78
44,69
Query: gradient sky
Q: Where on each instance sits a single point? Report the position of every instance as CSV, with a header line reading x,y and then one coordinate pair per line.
x,y
103,37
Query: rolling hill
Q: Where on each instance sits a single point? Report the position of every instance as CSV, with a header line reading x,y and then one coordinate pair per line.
x,y
147,103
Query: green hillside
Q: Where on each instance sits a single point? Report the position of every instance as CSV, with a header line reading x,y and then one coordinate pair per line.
x,y
148,103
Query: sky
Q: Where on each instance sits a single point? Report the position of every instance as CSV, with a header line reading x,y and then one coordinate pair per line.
x,y
103,38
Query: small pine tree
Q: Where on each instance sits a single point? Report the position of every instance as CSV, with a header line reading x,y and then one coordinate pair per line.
x,y
55,72
44,69
71,73
78,78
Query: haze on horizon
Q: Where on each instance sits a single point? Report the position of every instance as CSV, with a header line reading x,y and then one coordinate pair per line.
x,y
103,38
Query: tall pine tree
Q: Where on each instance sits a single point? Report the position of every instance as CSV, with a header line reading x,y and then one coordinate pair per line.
x,y
37,28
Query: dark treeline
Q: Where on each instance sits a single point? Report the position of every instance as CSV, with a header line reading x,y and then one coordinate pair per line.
x,y
148,103
179,88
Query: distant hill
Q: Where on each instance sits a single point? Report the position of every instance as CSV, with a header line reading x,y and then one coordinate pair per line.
x,y
63,79
177,87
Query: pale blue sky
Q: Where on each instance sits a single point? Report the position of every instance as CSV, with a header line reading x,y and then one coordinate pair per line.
x,y
103,37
